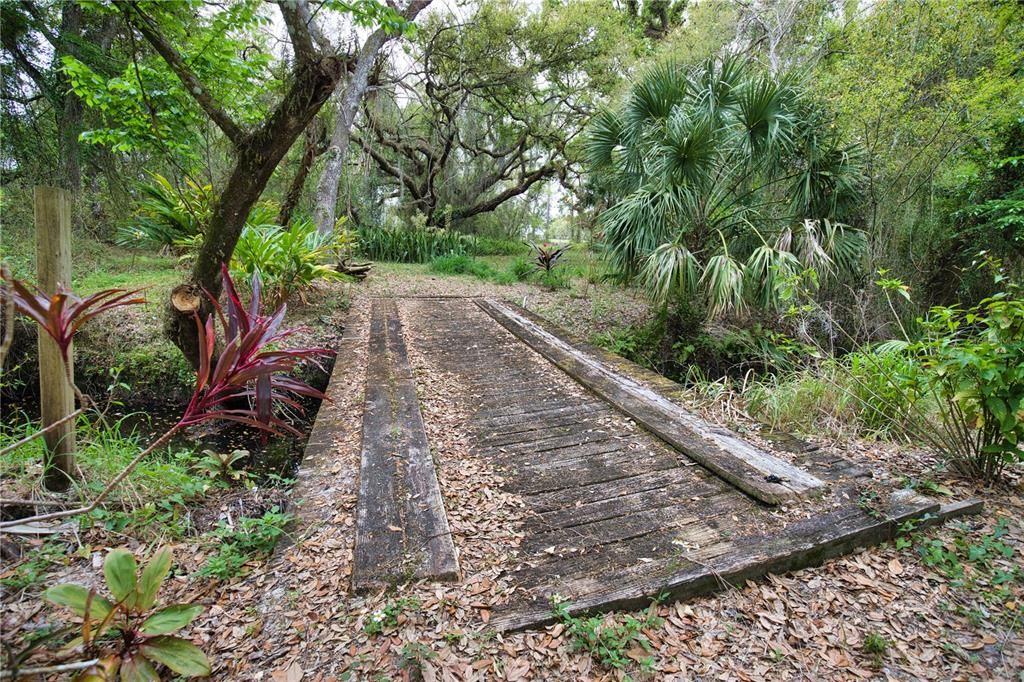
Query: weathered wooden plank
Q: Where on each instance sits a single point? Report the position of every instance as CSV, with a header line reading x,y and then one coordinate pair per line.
x,y
519,414
650,498
807,543
542,503
401,527
597,469
552,442
754,471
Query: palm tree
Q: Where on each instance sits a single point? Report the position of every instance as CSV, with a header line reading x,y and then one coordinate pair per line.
x,y
728,180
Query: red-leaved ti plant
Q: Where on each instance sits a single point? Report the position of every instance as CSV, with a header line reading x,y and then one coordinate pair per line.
x,y
63,314
250,364
248,368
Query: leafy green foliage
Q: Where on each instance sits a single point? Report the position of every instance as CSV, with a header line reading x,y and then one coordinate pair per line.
x,y
489,246
973,370
251,538
521,269
970,562
34,566
723,180
389,615
466,265
288,260
876,645
608,640
930,89
412,245
222,465
169,216
128,632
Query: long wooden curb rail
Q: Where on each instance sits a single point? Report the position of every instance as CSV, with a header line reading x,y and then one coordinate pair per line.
x,y
402,529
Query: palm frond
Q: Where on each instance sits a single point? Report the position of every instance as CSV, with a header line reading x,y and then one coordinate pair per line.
x,y
604,137
670,268
765,115
764,273
654,96
723,283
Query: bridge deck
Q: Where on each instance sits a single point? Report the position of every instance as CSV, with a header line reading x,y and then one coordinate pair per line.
x,y
616,515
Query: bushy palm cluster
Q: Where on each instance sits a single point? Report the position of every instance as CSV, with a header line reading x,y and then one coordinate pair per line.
x,y
725,180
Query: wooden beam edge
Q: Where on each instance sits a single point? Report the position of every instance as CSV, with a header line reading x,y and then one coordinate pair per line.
x,y
738,568
747,478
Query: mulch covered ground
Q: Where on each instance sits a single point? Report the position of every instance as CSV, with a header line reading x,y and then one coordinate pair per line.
x,y
945,604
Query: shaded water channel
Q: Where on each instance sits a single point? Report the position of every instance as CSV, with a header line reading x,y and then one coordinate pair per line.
x,y
271,457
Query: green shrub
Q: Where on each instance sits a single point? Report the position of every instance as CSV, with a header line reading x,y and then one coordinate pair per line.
x,y
460,264
168,215
144,638
288,260
415,245
973,374
521,269
489,246
878,380
465,265
253,538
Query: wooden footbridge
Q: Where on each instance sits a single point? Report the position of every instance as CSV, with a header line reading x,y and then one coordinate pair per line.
x,y
629,495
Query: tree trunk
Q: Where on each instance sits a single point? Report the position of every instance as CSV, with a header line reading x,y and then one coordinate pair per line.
x,y
312,147
69,116
327,192
256,160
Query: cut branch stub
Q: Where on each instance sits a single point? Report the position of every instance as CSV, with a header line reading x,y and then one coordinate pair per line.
x,y
186,298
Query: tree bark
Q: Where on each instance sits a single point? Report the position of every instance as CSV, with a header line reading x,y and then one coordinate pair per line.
x,y
327,191
314,145
69,116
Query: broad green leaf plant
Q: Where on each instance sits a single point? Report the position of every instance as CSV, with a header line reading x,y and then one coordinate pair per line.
x,y
128,635
724,180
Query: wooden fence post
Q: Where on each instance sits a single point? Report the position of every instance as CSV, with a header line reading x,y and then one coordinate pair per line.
x,y
56,395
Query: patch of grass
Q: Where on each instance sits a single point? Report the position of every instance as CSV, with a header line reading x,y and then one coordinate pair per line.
x,y
251,538
489,246
414,245
102,453
466,265
876,645
610,642
461,264
158,369
522,269
413,656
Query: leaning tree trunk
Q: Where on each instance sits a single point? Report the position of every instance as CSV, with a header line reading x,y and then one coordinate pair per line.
x,y
327,192
316,74
256,159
